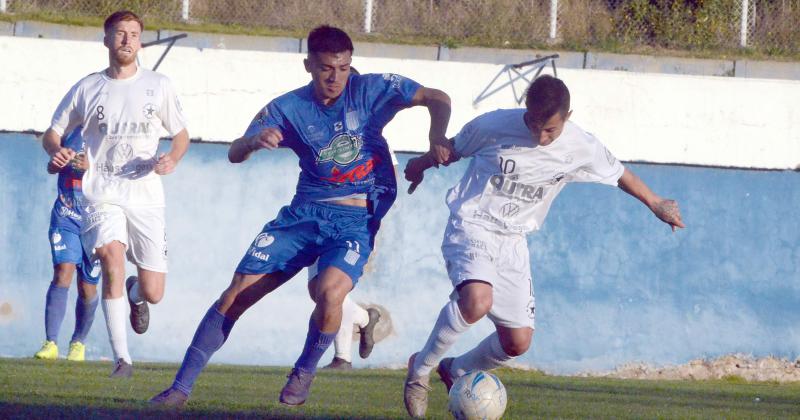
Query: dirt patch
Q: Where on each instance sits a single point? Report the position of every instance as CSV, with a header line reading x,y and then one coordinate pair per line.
x,y
747,367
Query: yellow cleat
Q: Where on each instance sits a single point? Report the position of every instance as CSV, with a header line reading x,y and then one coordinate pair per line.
x,y
49,351
77,352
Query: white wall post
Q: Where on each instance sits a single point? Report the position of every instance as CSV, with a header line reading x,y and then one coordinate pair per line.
x,y
743,30
185,11
553,19
368,16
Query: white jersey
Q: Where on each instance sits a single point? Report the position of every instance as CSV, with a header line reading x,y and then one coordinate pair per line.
x,y
512,181
122,122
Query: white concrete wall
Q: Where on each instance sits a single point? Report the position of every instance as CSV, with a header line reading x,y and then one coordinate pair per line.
x,y
750,123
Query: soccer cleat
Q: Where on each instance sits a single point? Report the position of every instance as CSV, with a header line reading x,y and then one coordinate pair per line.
x,y
444,372
367,338
49,351
297,387
140,314
122,369
170,397
77,352
415,392
339,363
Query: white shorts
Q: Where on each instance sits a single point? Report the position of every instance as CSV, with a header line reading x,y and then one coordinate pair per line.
x,y
141,230
474,253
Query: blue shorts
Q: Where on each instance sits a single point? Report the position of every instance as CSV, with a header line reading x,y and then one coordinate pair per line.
x,y
65,247
340,236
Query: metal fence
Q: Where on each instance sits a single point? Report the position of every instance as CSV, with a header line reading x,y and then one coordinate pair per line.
x,y
769,27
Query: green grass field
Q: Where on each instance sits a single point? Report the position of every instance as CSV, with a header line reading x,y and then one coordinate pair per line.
x,y
38,389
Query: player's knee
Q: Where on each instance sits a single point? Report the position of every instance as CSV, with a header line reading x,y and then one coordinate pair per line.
x,y
331,296
516,342
475,306
62,275
517,347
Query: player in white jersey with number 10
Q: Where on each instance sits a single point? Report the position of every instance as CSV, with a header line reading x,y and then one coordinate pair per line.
x,y
123,110
521,160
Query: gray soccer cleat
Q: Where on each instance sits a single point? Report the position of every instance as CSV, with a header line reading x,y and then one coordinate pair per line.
x,y
339,363
367,334
297,387
140,314
122,369
170,397
415,392
445,373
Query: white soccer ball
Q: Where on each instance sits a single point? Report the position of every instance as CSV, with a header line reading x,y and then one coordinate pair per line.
x,y
477,395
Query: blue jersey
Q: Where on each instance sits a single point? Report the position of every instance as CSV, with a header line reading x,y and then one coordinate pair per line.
x,y
67,208
341,147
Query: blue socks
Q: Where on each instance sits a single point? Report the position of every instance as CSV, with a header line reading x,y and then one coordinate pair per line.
x,y
54,310
209,337
317,342
84,317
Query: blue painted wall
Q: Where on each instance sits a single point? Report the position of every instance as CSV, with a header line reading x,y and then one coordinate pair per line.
x,y
613,284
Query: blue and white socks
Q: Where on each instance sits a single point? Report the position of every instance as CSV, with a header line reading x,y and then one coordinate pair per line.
x,y
317,342
209,337
54,310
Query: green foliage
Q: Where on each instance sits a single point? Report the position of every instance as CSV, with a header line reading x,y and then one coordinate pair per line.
x,y
705,28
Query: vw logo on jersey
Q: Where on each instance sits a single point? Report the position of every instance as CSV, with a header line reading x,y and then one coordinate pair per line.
x,y
509,210
342,149
264,240
56,238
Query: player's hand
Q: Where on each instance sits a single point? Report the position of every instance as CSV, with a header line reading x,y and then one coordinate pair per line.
x,y
414,174
667,210
79,162
60,159
165,164
269,138
441,149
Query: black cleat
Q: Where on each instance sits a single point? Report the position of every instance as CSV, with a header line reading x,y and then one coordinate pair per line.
x,y
140,313
339,364
297,388
122,369
170,397
367,339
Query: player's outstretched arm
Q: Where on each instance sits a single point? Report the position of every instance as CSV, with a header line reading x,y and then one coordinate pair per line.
x,y
438,104
269,138
665,209
60,157
168,161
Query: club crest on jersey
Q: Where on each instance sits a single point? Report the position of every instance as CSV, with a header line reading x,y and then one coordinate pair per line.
x,y
264,240
343,149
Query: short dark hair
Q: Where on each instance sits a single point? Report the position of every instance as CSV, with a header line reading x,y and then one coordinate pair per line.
x,y
327,39
120,16
547,96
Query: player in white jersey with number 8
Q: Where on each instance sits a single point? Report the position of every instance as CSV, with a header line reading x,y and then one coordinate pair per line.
x,y
123,111
521,160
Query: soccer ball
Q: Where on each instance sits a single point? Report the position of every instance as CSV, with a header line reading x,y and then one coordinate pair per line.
x,y
477,395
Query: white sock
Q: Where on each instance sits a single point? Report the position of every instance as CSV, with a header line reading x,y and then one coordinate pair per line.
x,y
133,294
360,315
487,355
343,343
449,326
116,321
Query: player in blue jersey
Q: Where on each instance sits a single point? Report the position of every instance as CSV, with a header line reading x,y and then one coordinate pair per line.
x,y
68,255
334,125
